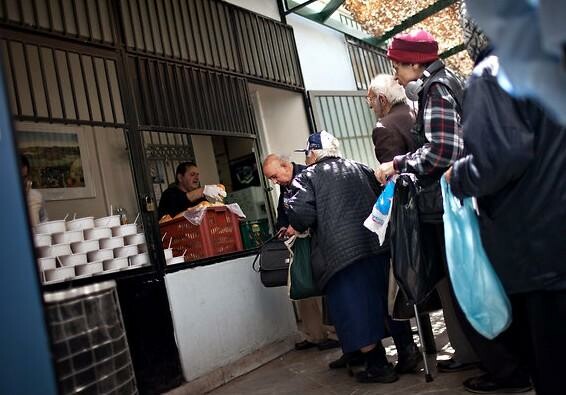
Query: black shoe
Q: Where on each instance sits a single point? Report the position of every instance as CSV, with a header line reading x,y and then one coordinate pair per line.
x,y
408,362
328,344
486,385
304,345
378,374
356,358
451,366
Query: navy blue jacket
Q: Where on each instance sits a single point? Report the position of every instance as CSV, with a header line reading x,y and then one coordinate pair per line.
x,y
515,165
284,191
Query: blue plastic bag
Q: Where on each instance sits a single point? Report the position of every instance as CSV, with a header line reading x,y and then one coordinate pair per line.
x,y
476,285
378,220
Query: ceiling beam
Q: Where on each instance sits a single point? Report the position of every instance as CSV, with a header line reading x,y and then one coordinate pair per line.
x,y
298,7
328,10
452,51
412,20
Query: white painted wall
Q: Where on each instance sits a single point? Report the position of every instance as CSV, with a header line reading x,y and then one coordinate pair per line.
x,y
323,54
282,121
222,313
205,159
282,124
263,7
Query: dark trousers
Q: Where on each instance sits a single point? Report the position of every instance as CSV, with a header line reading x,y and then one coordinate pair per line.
x,y
532,346
539,319
500,356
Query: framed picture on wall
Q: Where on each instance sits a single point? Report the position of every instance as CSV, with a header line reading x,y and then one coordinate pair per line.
x,y
244,172
59,159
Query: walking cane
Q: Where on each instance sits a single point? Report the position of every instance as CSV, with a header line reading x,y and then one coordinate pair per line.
x,y
428,375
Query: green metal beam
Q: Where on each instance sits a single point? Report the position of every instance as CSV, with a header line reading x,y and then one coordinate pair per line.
x,y
328,10
297,7
452,51
412,20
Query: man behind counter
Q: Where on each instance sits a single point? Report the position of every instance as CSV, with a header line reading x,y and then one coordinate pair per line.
x,y
186,191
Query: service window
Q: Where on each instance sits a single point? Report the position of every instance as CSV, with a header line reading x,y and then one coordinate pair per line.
x,y
209,191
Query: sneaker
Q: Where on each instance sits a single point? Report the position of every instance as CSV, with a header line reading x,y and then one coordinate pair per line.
x,y
356,358
378,374
485,384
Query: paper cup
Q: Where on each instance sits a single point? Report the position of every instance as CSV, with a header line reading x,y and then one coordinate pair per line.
x,y
80,223
72,260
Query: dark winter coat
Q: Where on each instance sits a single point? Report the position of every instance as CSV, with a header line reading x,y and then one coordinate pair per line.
x,y
516,167
284,193
333,198
392,134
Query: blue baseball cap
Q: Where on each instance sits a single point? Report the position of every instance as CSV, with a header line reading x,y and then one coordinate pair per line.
x,y
318,141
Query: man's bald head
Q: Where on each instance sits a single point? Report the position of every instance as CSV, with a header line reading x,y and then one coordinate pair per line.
x,y
277,169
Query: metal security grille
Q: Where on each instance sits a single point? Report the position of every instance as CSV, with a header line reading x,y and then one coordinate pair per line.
x,y
346,116
175,96
267,48
212,33
47,84
367,62
164,152
90,348
197,30
85,19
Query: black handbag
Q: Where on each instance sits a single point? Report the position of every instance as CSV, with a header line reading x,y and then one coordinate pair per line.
x,y
274,259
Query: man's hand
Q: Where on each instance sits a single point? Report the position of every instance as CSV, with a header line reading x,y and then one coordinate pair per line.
x,y
448,175
290,231
384,171
214,193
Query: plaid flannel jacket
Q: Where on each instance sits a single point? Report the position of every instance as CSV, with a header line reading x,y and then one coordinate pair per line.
x,y
443,130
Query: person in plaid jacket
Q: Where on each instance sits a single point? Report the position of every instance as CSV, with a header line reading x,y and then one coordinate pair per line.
x,y
438,134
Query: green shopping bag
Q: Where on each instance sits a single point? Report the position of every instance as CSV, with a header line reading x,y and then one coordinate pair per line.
x,y
301,281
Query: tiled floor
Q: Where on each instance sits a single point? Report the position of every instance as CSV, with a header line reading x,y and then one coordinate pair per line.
x,y
307,373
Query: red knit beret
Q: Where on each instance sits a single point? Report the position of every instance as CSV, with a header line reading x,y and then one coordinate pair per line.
x,y
418,46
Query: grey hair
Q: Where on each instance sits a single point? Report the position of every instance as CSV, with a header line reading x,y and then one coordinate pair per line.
x,y
385,84
332,151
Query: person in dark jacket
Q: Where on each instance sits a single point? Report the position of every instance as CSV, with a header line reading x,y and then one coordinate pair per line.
x,y
332,197
439,131
392,133
504,370
391,137
186,191
516,156
281,172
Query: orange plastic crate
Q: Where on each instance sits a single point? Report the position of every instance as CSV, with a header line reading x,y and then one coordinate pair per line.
x,y
218,234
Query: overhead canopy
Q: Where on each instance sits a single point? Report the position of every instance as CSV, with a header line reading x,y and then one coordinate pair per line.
x,y
377,21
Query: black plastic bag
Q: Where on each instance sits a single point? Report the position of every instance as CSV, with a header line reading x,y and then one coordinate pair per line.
x,y
417,264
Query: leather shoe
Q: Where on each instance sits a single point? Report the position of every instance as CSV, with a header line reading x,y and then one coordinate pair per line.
x,y
304,345
378,374
485,384
328,344
451,365
408,362
356,358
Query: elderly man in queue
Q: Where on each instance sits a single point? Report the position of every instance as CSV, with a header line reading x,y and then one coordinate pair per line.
x,y
332,197
392,133
186,192
281,172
